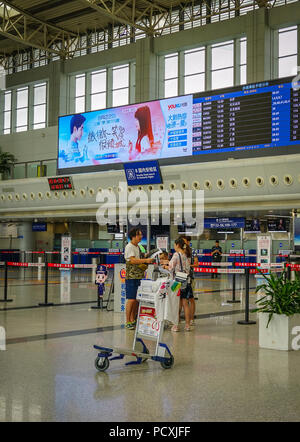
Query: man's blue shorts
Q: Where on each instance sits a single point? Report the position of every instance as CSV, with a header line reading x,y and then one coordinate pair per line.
x,y
131,288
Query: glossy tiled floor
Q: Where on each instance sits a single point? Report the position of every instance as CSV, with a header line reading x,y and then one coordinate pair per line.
x,y
220,374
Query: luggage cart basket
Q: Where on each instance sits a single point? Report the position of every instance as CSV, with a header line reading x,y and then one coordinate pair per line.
x,y
153,297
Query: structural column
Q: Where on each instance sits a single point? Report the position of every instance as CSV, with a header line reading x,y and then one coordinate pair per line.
x,y
58,97
148,78
26,236
261,47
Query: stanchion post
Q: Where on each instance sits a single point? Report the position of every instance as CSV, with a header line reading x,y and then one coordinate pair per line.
x,y
94,262
5,284
233,300
23,259
39,275
246,321
46,303
99,305
289,272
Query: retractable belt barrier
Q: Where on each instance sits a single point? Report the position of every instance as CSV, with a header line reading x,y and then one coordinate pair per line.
x,y
205,270
58,253
218,264
50,264
121,253
45,265
211,268
293,266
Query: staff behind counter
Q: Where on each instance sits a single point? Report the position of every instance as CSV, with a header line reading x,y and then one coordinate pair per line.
x,y
216,254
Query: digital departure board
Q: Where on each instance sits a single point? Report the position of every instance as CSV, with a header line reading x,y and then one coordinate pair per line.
x,y
240,122
262,115
62,183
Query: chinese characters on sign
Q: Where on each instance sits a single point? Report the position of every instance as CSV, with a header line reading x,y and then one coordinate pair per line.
x,y
142,173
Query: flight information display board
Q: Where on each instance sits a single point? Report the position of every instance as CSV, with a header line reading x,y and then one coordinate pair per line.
x,y
263,118
262,115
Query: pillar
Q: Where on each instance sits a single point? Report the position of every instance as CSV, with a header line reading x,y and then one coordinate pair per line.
x,y
261,47
58,97
26,236
148,79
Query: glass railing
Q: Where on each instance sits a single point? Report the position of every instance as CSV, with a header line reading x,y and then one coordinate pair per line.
x,y
31,169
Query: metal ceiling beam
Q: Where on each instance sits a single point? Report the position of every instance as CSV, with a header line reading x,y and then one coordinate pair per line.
x,y
157,6
22,27
152,20
115,14
263,3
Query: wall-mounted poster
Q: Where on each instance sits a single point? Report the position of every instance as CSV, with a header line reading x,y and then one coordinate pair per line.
x,y
297,234
66,245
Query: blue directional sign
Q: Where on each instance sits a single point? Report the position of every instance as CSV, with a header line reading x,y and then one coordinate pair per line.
x,y
39,227
224,223
142,173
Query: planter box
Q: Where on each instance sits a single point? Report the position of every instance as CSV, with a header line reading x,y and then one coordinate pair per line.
x,y
278,335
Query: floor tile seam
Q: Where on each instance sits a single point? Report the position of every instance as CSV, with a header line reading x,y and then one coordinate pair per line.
x,y
28,307
65,334
49,282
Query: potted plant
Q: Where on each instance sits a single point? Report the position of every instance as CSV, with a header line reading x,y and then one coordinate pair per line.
x,y
279,311
6,161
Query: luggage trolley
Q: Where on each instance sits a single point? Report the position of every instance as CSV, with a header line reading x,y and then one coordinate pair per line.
x,y
152,296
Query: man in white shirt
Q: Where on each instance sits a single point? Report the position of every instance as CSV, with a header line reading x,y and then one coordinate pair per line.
x,y
136,265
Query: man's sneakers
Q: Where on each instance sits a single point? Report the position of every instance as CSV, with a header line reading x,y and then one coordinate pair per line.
x,y
130,325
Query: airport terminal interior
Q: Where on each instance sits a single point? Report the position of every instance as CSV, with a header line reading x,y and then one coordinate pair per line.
x,y
181,118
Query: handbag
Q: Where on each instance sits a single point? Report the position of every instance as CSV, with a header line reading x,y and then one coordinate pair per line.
x,y
182,276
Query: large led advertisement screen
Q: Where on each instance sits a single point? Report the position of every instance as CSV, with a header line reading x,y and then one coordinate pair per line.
x,y
154,130
240,122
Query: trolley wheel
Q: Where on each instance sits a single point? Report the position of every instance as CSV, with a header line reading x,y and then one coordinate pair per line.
x,y
102,363
168,363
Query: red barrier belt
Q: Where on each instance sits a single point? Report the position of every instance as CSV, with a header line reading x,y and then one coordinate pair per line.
x,y
17,264
254,271
63,266
210,270
247,264
294,266
203,270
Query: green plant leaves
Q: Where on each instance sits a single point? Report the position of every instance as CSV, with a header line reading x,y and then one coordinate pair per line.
x,y
281,296
6,160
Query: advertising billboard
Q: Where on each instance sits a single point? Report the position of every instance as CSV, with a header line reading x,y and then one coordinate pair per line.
x,y
278,225
252,226
158,129
297,234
